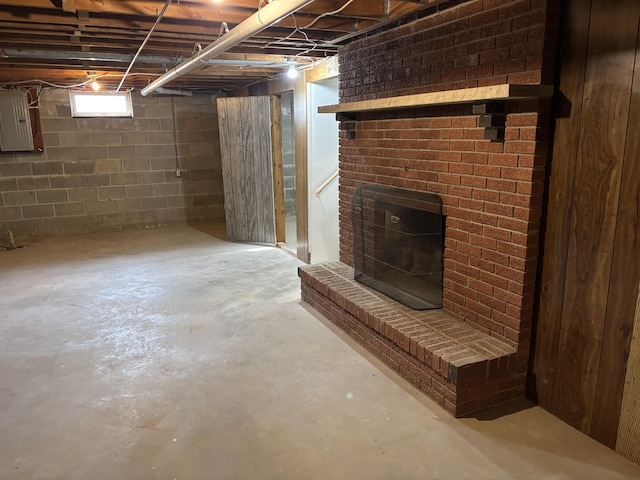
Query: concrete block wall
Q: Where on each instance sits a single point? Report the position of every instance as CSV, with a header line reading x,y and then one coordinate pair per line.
x,y
104,174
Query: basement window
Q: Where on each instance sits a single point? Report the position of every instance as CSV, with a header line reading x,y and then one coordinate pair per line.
x,y
90,104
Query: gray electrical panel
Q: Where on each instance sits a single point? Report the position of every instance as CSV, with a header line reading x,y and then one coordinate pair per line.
x,y
15,125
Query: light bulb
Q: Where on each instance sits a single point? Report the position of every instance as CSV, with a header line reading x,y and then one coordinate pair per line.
x,y
95,85
292,73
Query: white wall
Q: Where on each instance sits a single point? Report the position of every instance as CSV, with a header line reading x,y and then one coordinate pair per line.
x,y
323,162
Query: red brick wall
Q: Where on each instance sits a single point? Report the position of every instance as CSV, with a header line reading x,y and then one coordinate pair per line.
x,y
492,192
477,43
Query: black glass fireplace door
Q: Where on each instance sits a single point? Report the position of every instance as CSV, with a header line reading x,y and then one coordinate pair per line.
x,y
398,243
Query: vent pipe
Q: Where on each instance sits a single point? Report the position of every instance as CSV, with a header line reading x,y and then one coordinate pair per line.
x,y
265,17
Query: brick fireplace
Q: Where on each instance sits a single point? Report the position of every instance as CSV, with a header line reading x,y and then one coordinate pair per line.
x,y
473,353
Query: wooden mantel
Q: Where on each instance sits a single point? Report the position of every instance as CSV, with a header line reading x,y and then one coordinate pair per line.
x,y
446,97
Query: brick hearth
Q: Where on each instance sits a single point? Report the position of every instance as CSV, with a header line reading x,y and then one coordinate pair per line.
x,y
461,368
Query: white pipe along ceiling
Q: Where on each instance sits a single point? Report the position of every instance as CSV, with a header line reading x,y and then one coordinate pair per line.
x,y
264,18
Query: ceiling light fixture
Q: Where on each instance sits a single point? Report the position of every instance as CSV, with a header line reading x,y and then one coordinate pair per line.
x,y
93,81
292,72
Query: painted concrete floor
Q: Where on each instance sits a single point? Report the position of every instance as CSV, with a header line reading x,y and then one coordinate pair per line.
x,y
173,354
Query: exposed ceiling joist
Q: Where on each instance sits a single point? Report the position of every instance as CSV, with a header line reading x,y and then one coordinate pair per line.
x,y
60,40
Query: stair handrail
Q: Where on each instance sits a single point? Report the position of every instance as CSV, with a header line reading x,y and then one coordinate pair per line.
x,y
326,183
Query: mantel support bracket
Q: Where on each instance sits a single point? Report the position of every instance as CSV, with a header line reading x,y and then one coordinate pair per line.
x,y
491,116
348,124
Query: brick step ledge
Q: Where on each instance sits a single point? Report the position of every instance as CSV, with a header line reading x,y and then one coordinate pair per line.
x,y
460,367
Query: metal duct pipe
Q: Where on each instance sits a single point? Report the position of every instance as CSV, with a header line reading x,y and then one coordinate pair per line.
x,y
261,20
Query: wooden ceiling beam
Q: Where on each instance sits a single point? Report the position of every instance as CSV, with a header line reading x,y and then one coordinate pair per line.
x,y
136,15
202,9
326,27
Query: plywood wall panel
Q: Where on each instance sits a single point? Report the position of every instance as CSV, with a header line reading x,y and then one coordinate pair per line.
x,y
568,107
625,274
608,77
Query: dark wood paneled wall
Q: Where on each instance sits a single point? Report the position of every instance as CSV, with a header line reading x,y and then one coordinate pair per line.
x,y
590,272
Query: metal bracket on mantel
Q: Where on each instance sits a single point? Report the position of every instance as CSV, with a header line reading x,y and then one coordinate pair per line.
x,y
348,124
492,118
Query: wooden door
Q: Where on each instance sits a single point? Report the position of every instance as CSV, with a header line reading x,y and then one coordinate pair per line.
x,y
247,168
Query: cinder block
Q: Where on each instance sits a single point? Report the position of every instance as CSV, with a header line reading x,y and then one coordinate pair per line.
x,y
161,138
77,167
121,152
134,138
150,177
95,207
136,164
15,169
75,139
19,198
47,168
166,189
112,193
33,183
83,194
137,191
52,196
69,209
153,203
92,152
163,163
10,213
127,204
152,151
108,166
105,138
62,153
97,180
51,139
123,178
37,211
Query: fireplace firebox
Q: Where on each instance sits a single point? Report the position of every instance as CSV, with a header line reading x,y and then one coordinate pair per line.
x,y
398,243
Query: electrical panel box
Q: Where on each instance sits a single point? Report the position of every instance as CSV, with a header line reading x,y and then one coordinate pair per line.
x,y
15,124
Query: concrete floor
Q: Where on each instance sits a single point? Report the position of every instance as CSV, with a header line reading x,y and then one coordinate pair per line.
x,y
173,354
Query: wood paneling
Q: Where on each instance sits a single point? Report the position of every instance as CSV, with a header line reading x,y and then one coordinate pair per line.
x,y
628,441
625,276
569,107
302,168
245,145
278,167
590,269
607,90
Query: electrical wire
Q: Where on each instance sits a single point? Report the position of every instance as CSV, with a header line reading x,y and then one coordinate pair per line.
x,y
301,30
44,82
314,45
38,82
329,13
164,9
